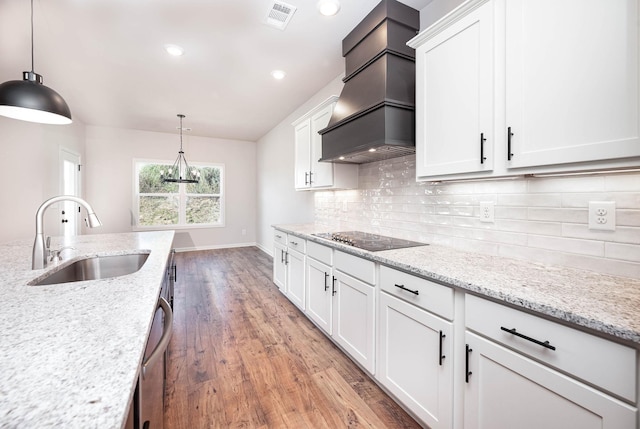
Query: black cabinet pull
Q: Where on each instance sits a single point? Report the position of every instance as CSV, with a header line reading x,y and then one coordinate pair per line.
x,y
333,286
281,256
415,292
467,373
533,340
286,258
306,177
482,140
326,286
310,179
175,273
509,135
440,355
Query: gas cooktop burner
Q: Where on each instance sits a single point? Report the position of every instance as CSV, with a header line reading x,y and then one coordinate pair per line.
x,y
368,241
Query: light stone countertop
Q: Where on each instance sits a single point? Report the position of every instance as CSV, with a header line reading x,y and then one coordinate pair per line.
x,y
70,353
602,303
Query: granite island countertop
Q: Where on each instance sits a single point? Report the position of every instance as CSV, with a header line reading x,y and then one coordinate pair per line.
x,y
601,303
70,353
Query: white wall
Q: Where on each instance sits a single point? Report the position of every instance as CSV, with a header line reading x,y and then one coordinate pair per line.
x,y
30,173
278,201
109,176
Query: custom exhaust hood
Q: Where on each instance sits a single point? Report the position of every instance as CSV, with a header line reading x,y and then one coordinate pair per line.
x,y
374,118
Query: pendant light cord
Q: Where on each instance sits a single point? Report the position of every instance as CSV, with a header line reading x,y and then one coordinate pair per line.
x,y
32,37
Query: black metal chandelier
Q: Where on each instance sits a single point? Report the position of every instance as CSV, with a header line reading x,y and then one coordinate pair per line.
x,y
180,172
29,100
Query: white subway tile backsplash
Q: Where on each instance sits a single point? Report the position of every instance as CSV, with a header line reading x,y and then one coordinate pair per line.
x,y
625,252
558,215
549,185
530,200
568,245
537,219
628,217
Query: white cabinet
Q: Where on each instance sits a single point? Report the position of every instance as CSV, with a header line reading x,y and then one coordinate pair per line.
x,y
295,278
320,286
310,173
454,93
529,372
354,319
571,80
415,359
415,344
289,266
532,86
506,390
280,266
354,307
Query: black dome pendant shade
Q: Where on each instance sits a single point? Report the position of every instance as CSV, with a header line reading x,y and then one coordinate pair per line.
x,y
30,100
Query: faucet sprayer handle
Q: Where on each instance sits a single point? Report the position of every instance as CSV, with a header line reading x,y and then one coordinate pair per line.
x,y
48,242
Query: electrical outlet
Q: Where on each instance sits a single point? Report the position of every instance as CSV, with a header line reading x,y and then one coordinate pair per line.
x,y
602,215
487,209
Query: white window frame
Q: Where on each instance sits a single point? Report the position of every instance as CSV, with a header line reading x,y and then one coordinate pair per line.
x,y
182,198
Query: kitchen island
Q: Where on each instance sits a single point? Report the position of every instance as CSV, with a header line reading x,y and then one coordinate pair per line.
x,y
70,353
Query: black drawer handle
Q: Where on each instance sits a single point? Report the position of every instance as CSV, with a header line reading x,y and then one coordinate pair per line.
x,y
415,292
326,277
440,355
467,373
533,340
509,135
333,285
482,140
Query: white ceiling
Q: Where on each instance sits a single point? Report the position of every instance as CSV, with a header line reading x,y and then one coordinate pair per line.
x,y
106,58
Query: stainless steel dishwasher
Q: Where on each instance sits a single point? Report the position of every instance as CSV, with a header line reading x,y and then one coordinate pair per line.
x,y
149,396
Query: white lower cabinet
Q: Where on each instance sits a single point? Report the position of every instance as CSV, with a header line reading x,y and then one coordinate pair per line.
x,y
415,359
295,278
506,390
280,266
354,319
319,294
528,372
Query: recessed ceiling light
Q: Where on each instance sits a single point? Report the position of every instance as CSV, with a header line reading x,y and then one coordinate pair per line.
x,y
174,50
328,7
278,74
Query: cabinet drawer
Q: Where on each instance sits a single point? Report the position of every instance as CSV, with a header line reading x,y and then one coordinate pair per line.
x,y
296,243
320,253
356,267
280,237
431,296
606,364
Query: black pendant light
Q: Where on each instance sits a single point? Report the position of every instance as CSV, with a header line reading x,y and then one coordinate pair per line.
x,y
29,100
180,172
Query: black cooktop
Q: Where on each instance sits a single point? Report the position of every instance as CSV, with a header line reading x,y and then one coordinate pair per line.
x,y
368,241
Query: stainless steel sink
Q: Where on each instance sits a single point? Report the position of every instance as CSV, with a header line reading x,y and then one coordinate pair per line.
x,y
94,268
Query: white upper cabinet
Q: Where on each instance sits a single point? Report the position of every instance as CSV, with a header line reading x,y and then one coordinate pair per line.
x,y
455,94
310,173
539,86
571,80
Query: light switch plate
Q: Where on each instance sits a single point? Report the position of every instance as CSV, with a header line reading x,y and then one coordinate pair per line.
x,y
602,215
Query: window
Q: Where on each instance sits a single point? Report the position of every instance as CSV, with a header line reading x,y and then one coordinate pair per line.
x,y
159,204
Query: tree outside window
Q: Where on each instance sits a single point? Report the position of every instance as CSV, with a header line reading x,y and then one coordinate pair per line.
x,y
171,204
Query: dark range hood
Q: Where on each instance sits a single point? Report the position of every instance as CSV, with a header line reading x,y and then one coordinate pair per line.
x,y
374,118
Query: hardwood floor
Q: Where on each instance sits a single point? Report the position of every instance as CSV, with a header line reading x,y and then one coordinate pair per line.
x,y
243,356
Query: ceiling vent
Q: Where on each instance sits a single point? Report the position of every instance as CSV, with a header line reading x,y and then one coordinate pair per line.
x,y
279,15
